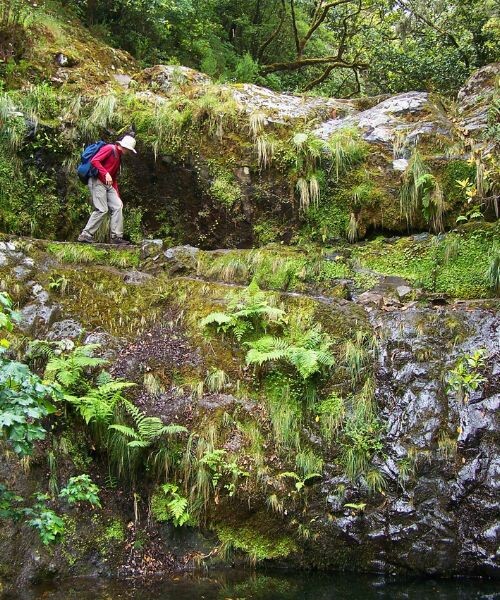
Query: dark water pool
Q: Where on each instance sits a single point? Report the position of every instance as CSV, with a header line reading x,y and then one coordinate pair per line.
x,y
267,586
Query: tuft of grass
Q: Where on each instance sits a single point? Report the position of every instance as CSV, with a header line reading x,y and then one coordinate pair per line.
x,y
103,113
216,380
331,414
375,481
493,271
80,254
346,149
275,504
264,148
308,462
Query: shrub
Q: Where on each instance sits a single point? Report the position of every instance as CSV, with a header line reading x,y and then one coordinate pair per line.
x,y
81,489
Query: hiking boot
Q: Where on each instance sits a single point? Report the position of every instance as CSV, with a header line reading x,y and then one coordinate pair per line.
x,y
120,240
85,237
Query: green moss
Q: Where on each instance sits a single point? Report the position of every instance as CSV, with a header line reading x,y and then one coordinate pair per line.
x,y
259,546
97,297
431,265
453,171
115,531
225,189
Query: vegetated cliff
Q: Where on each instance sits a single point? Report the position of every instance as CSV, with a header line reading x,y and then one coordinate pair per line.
x,y
342,416
235,165
364,436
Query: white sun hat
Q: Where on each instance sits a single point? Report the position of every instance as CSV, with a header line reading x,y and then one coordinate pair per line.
x,y
128,142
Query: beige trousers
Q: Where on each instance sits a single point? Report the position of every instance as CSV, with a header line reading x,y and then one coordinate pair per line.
x,y
105,199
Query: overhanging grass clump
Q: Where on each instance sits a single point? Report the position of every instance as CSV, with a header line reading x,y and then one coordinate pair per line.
x,y
79,254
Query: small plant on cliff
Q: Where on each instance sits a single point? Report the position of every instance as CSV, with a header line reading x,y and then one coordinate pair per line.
x,y
223,472
331,415
493,271
361,442
103,112
12,125
466,376
346,149
216,380
81,489
421,189
67,370
309,353
128,442
248,313
168,504
50,526
24,399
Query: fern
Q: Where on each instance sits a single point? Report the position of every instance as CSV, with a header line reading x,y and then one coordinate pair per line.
x,y
68,370
99,403
307,358
146,430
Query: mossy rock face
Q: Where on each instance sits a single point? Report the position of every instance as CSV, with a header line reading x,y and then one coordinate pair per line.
x,y
258,536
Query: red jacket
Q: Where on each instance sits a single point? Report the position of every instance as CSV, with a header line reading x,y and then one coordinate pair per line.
x,y
108,160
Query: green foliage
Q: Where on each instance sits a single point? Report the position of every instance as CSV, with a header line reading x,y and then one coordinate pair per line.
x,y
225,189
358,354
222,471
28,200
86,254
346,149
466,376
49,525
258,545
81,489
284,398
421,190
430,265
331,415
59,284
246,69
103,113
12,124
309,351
24,399
300,483
493,271
361,441
9,504
133,229
146,430
167,504
248,313
68,370
216,380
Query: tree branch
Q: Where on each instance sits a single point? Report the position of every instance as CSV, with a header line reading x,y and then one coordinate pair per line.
x,y
308,62
274,34
319,16
295,31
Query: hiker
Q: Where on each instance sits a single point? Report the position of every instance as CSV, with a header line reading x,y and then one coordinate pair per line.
x,y
104,190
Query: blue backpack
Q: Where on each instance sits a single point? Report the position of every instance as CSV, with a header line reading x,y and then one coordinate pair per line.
x,y
85,170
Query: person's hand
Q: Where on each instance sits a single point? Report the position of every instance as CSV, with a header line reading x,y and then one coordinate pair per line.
x,y
108,179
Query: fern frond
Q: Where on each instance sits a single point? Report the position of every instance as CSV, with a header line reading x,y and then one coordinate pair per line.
x,y
124,430
138,444
216,318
